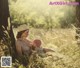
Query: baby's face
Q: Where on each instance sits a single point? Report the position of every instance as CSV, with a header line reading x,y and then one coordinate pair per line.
x,y
37,43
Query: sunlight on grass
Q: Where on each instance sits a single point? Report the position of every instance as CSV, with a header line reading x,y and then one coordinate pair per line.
x,y
63,42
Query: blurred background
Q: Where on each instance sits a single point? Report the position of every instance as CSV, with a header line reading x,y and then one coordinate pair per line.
x,y
38,13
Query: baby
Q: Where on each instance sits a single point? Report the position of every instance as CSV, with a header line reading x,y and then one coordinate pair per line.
x,y
37,47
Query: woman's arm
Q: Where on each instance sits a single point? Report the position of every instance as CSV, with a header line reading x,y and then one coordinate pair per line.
x,y
18,48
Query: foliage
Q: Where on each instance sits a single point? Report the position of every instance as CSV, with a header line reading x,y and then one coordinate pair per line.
x,y
41,15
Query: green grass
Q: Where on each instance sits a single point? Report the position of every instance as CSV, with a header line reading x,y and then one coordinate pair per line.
x,y
63,42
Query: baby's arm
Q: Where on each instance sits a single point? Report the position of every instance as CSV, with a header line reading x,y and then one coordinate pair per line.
x,y
47,50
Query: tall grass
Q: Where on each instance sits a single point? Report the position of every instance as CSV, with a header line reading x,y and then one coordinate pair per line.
x,y
62,41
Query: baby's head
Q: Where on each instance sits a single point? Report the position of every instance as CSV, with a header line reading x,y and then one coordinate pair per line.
x,y
37,42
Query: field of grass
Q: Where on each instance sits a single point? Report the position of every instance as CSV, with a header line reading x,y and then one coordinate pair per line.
x,y
63,42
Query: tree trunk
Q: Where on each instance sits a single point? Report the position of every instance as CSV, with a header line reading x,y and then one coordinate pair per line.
x,y
6,33
78,22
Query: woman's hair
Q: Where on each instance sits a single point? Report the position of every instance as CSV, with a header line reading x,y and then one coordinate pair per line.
x,y
20,33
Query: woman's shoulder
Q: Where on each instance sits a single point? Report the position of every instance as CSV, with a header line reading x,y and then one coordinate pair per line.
x,y
18,41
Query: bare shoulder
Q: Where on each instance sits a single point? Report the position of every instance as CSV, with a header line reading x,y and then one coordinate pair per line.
x,y
18,42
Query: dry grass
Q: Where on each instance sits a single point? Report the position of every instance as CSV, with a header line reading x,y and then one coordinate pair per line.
x,y
62,41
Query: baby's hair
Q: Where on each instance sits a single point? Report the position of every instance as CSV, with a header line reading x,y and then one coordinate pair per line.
x,y
20,33
37,42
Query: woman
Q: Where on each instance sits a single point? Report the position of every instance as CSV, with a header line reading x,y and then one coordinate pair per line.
x,y
23,47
